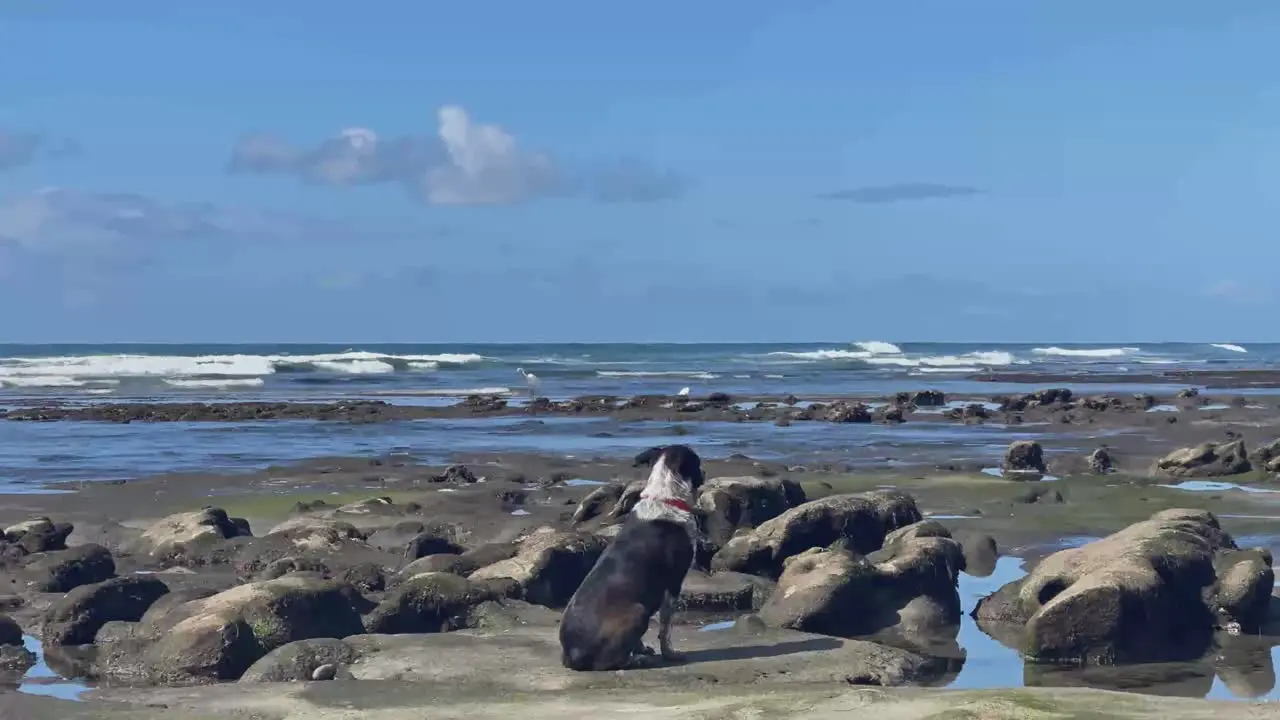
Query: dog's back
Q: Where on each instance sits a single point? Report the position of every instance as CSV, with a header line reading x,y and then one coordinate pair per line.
x,y
609,614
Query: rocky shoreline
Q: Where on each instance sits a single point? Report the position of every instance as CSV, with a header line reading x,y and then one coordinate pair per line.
x,y
1054,405
444,581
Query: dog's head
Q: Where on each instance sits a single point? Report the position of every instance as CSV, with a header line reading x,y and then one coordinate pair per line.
x,y
680,459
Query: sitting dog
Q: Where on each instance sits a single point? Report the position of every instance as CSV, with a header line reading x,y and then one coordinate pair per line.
x,y
640,573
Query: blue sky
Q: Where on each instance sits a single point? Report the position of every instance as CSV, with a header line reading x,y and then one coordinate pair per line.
x,y
572,170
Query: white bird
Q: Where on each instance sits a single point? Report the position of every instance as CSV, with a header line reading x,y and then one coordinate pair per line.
x,y
684,392
530,379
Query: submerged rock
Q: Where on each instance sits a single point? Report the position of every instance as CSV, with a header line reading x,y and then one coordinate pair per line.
x,y
1152,592
858,521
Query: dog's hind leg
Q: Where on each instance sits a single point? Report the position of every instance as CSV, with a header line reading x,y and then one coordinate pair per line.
x,y
665,614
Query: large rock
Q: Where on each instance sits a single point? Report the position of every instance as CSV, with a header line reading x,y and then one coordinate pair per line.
x,y
298,661
859,522
10,631
435,602
549,566
1208,459
598,502
170,538
39,535
1100,461
1024,456
75,618
1147,593
723,592
730,503
64,570
908,587
220,637
1267,457
464,564
311,534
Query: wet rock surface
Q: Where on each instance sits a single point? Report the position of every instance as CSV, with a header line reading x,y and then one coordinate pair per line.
x,y
1155,591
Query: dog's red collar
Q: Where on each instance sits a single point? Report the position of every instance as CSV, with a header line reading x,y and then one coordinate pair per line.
x,y
678,504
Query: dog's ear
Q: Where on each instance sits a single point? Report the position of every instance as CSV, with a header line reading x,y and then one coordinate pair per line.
x,y
649,457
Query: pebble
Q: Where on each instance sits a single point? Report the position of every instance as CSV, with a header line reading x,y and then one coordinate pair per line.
x,y
328,671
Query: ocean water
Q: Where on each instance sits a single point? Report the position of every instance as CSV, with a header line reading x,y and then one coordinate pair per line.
x,y
32,454
328,371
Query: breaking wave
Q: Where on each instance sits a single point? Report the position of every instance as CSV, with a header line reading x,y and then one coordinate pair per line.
x,y
1087,352
211,370
1229,346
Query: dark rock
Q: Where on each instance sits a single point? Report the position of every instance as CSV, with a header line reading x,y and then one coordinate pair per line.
x,y
220,637
597,502
890,414
75,618
464,564
1024,456
1187,393
301,661
10,631
1208,459
284,566
860,522
434,602
723,592
39,535
908,587
367,577
980,552
172,538
1241,593
1041,495
456,474
64,570
1135,596
730,504
1100,462
549,566
843,412
430,543
1267,457
928,398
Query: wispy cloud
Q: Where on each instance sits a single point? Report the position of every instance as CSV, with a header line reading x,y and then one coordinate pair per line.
x,y
18,148
463,163
900,192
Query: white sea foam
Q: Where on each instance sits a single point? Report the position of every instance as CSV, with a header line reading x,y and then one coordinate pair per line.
x,y
38,381
695,374
215,384
1229,346
824,355
356,367
955,369
982,359
38,371
878,347
1086,352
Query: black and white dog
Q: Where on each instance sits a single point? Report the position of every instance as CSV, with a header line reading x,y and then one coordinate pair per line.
x,y
640,573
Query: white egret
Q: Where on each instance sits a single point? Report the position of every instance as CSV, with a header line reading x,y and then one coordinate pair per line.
x,y
530,379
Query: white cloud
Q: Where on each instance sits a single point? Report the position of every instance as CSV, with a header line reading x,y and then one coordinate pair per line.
x,y
462,163
485,166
